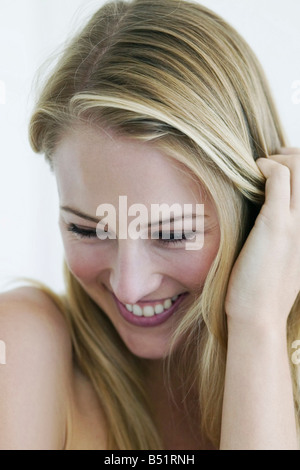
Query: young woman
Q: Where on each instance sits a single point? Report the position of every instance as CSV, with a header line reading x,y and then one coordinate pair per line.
x,y
154,345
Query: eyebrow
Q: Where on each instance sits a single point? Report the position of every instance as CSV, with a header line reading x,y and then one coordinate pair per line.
x,y
80,214
173,219
96,220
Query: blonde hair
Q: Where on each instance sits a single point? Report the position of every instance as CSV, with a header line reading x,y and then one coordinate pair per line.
x,y
174,73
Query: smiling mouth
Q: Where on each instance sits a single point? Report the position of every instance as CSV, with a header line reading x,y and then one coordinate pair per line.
x,y
156,308
153,313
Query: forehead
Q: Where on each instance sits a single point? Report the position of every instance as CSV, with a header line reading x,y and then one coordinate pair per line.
x,y
92,164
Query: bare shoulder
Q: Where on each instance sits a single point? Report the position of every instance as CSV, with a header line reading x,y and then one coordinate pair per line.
x,y
30,320
29,300
36,376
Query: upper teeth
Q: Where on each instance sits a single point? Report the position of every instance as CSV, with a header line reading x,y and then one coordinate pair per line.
x,y
149,310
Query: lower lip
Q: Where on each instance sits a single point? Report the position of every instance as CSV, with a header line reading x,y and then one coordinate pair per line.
x,y
156,320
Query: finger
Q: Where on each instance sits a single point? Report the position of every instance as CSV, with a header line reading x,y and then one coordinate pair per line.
x,y
278,186
292,161
289,151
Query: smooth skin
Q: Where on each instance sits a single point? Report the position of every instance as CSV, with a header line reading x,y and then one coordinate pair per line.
x,y
92,167
258,409
44,399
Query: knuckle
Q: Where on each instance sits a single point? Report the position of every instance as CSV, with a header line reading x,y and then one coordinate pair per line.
x,y
295,162
290,151
281,171
295,151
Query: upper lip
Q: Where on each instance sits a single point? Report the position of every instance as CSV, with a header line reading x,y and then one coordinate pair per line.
x,y
147,302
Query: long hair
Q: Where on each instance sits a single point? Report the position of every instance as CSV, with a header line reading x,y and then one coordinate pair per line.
x,y
176,74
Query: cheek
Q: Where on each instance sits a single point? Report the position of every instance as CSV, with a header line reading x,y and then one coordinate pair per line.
x,y
194,269
84,262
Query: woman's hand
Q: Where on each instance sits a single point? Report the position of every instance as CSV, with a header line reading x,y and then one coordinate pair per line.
x,y
258,405
265,279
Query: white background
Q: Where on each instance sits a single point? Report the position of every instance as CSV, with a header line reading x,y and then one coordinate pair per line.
x,y
31,31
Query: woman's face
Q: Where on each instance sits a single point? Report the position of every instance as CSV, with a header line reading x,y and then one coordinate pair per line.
x,y
143,283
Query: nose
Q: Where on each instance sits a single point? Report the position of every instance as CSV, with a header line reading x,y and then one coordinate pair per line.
x,y
133,275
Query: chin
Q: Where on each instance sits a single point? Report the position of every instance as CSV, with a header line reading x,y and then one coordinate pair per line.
x,y
148,349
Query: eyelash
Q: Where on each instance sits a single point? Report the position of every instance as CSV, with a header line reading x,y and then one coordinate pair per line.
x,y
81,232
173,241
86,233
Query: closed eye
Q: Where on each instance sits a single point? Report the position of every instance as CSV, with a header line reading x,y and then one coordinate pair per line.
x,y
82,232
174,238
